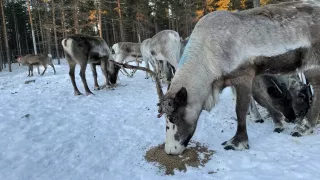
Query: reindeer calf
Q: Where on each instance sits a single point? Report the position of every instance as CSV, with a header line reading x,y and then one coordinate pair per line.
x,y
40,59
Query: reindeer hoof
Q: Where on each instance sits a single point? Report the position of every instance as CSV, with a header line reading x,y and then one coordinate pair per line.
x,y
96,88
278,130
296,134
259,121
77,93
302,129
236,144
89,93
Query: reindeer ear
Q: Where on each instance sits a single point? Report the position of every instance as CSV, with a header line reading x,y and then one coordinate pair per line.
x,y
181,97
274,92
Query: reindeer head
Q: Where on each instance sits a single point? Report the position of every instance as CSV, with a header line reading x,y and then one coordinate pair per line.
x,y
113,70
179,129
282,100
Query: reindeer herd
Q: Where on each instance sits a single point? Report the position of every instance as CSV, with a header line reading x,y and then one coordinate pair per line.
x,y
246,50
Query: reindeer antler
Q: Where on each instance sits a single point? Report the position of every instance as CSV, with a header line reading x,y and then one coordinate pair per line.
x,y
158,84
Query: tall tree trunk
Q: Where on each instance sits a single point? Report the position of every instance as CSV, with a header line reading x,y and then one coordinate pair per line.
x,y
76,16
41,32
55,31
32,31
113,32
36,28
106,32
1,56
63,19
48,34
16,32
204,7
99,18
4,28
26,39
256,3
120,22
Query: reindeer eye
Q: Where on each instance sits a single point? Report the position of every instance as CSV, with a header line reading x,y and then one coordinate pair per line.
x,y
302,96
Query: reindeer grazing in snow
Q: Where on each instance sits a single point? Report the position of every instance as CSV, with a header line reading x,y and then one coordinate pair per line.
x,y
82,49
35,60
230,49
164,46
127,52
283,96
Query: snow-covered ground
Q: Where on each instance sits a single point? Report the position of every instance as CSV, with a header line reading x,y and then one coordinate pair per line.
x,y
106,136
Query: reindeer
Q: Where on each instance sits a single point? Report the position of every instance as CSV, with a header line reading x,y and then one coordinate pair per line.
x,y
230,49
165,47
40,59
127,52
283,96
82,49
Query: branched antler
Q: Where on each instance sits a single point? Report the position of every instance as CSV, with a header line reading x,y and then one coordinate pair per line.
x,y
158,84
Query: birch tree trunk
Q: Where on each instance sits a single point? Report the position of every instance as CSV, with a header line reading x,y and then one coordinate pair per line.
x,y
32,30
4,28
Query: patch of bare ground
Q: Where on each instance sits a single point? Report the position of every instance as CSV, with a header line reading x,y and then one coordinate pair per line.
x,y
195,155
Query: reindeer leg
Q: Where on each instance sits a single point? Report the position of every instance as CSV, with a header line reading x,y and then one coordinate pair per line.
x,y
278,119
31,69
45,68
82,74
72,67
103,65
244,92
254,113
134,70
54,70
306,126
38,69
125,71
147,66
94,72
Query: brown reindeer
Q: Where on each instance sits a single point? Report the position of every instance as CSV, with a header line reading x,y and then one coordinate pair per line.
x,y
82,49
35,60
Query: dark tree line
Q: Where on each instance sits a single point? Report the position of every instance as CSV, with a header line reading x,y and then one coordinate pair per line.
x,y
114,20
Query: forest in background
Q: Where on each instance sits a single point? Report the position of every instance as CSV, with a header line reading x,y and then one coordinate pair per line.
x,y
114,20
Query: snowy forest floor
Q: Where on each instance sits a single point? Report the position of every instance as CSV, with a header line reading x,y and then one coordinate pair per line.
x,y
48,133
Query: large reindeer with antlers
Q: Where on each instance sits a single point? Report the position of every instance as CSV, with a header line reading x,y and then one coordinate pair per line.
x,y
82,49
228,48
